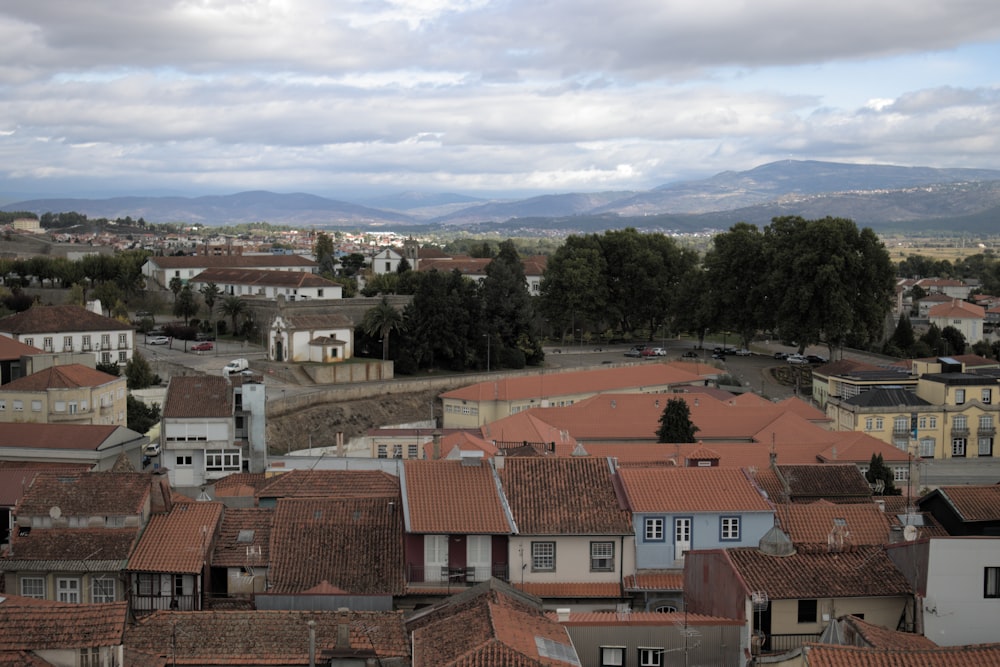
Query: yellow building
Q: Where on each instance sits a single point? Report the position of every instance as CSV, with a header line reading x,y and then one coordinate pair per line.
x,y
70,394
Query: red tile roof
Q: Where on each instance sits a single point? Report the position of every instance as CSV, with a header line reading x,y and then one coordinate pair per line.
x,y
575,496
58,319
851,523
571,589
973,503
982,655
77,437
832,481
178,542
34,625
69,376
198,396
643,618
453,496
862,571
231,261
655,580
574,382
355,544
11,349
268,637
262,277
243,528
92,544
86,494
330,484
957,309
876,636
691,490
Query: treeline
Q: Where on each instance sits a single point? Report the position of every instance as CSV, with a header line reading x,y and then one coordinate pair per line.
x,y
984,267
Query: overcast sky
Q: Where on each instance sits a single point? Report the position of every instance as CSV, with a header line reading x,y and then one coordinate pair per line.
x,y
513,97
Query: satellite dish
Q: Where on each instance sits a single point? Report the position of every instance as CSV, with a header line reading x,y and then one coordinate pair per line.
x,y
55,512
909,533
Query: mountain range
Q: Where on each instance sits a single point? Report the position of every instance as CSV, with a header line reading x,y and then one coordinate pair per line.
x,y
884,197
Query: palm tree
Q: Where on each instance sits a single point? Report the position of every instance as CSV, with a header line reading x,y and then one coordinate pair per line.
x,y
211,293
233,307
382,320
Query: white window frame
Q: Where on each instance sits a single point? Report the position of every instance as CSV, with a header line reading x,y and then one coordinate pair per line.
x,y
729,528
68,589
223,460
959,397
602,556
90,657
650,657
612,656
543,556
653,529
959,446
33,587
987,396
985,446
102,589
927,448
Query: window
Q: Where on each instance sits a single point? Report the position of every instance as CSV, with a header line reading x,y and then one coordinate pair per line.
x,y
612,656
222,459
900,424
923,422
114,521
36,406
807,611
959,423
650,657
900,473
959,397
879,423
147,583
927,447
397,451
67,343
73,407
67,590
122,340
869,422
958,446
543,556
730,528
47,343
653,530
602,556
382,452
106,341
33,587
122,357
90,657
986,446
985,422
102,589
30,342
86,342
987,396
184,460
3,404
933,422
991,582
18,406
413,451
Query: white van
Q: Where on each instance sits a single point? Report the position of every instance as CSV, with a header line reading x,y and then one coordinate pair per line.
x,y
235,366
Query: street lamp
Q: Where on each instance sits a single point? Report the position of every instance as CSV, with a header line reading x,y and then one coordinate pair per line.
x,y
487,352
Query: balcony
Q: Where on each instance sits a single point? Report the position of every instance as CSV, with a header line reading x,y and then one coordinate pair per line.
x,y
453,577
785,643
67,348
151,603
957,432
987,431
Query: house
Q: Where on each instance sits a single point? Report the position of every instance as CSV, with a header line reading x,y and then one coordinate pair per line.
x,y
75,531
950,287
457,523
967,317
651,639
957,580
839,525
352,545
341,638
574,541
12,365
386,261
980,655
787,594
327,484
41,633
832,482
68,394
212,427
242,555
489,624
965,510
847,378
486,402
96,446
320,338
675,510
474,268
265,284
71,329
161,270
169,567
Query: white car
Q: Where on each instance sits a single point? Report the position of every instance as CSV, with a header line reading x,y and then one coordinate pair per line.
x,y
152,449
159,340
743,352
797,359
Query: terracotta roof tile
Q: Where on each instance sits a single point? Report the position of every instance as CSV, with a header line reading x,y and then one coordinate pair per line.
x,y
232,261
355,544
644,618
69,376
198,396
453,497
74,543
240,484
863,571
982,655
851,523
179,541
879,637
655,580
691,490
262,277
330,484
76,437
12,350
825,480
242,528
56,319
86,494
575,496
973,503
571,589
267,637
45,625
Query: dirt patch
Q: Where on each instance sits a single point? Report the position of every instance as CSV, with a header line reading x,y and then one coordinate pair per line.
x,y
318,426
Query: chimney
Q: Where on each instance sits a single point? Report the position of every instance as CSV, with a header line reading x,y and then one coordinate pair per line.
x,y
436,449
343,636
562,614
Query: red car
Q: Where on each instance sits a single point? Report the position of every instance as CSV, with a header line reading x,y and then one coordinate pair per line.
x,y
202,347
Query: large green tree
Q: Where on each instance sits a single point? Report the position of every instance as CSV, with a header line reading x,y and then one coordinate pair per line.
x,y
380,321
574,290
508,319
141,417
185,306
736,281
675,423
138,373
210,293
234,308
442,323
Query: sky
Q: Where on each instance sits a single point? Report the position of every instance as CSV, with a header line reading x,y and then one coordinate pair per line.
x,y
508,98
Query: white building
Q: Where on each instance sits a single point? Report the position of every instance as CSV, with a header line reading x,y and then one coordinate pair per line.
x,y
72,329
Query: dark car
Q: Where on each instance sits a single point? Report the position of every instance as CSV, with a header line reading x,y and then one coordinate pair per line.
x,y
204,336
690,354
815,359
781,355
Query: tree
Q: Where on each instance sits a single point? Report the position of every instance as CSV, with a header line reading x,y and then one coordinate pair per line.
x,y
403,266
508,312
953,339
234,307
878,470
902,339
210,292
381,321
185,306
441,321
351,264
141,417
574,287
138,373
734,269
323,248
176,285
110,368
675,423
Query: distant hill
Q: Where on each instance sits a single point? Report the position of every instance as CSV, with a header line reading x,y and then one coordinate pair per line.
x,y
879,196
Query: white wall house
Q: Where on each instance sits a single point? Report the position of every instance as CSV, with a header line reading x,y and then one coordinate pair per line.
x,y
964,316
259,283
72,330
310,338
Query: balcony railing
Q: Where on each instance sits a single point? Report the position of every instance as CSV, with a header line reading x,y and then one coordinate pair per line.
x,y
959,432
454,576
151,603
785,643
987,431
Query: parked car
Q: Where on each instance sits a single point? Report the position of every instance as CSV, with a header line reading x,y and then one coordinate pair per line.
x,y
797,359
159,340
719,355
815,359
690,354
634,351
202,347
743,352
235,366
653,352
204,336
152,449
781,355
